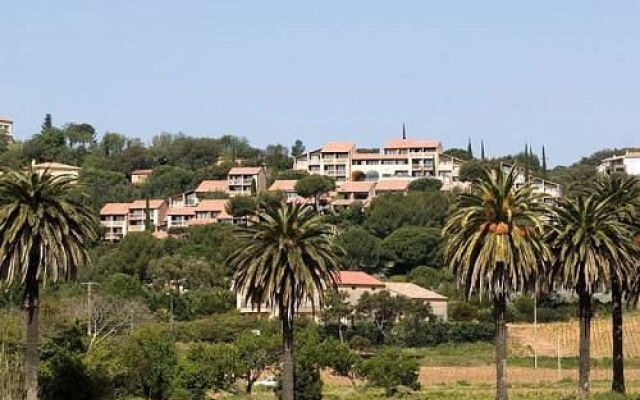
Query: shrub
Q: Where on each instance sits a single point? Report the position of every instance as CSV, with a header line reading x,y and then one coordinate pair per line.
x,y
360,343
425,185
391,368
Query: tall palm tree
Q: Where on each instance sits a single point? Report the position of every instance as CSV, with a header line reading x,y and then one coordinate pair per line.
x,y
288,257
623,194
44,235
592,247
494,243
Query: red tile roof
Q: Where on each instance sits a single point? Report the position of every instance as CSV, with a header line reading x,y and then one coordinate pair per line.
x,y
410,143
212,186
245,170
356,186
413,291
5,119
115,209
286,185
217,205
153,203
357,278
338,147
392,185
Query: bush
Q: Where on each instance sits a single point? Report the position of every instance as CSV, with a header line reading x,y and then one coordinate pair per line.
x,y
425,185
64,376
360,343
390,369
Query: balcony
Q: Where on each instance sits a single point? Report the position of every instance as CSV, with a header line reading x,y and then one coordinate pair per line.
x,y
114,224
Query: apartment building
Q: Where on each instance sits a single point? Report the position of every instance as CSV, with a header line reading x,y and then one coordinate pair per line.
x,y
287,187
119,219
241,180
354,284
205,212
399,158
6,126
113,218
58,169
628,163
354,191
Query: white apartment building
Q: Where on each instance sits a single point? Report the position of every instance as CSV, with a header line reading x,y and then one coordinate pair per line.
x,y
6,126
399,158
241,179
553,190
628,163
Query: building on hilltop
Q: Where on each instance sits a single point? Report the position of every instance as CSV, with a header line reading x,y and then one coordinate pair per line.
x,y
628,163
6,126
246,181
120,219
550,189
399,158
139,176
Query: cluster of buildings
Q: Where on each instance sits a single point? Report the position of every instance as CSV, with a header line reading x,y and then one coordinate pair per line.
x,y
628,163
354,284
360,176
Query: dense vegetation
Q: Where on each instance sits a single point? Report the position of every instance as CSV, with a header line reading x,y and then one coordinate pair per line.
x,y
156,318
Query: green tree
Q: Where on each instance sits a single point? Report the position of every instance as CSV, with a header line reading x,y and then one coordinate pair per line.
x,y
389,212
362,250
590,243
410,246
425,185
287,257
469,149
459,153
149,359
314,186
257,353
47,123
495,247
44,235
297,148
337,309
391,368
241,207
207,367
623,194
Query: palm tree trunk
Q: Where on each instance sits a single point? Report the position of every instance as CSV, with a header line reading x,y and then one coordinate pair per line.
x,y
287,359
499,308
31,351
585,344
616,321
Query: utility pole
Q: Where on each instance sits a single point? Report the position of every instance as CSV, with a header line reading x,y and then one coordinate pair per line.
x,y
89,305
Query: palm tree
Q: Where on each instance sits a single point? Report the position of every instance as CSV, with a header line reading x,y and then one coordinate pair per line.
x,y
592,247
288,257
44,235
495,246
623,194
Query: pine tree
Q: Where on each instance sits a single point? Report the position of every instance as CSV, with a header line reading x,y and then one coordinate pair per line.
x,y
482,149
48,123
544,162
469,149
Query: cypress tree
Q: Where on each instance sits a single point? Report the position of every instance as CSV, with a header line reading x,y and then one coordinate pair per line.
x,y
469,149
544,161
48,123
482,150
526,162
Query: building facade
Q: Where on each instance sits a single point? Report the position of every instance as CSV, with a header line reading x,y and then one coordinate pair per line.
x,y
6,126
628,163
399,158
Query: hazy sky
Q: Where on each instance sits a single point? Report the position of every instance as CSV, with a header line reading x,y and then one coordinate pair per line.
x,y
561,73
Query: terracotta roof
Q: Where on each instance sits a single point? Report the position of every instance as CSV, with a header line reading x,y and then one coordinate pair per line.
x,y
413,291
355,186
181,211
141,172
115,209
409,143
338,147
392,185
286,185
58,166
245,170
356,278
153,203
217,205
378,156
5,119
212,186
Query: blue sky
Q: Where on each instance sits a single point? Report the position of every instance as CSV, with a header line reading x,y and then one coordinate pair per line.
x,y
561,73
